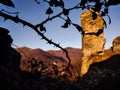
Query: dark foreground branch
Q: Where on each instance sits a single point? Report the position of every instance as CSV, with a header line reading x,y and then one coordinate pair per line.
x,y
18,20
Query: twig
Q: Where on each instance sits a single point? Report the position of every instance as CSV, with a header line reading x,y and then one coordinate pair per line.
x,y
16,20
58,15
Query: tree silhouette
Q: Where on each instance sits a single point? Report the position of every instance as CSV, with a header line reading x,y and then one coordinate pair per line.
x,y
101,6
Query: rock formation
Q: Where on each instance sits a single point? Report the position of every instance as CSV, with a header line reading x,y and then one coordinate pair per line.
x,y
92,39
116,45
9,63
9,57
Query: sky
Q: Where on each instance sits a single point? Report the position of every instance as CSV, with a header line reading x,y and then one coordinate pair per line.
x,y
34,13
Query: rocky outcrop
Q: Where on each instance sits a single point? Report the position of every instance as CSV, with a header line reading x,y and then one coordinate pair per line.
x,y
103,75
9,57
9,62
116,45
92,39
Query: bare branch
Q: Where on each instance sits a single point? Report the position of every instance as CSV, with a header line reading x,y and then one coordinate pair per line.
x,y
58,15
16,20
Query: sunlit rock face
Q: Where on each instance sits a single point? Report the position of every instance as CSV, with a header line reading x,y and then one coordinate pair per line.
x,y
92,39
116,45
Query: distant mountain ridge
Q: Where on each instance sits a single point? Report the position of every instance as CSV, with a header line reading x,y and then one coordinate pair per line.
x,y
28,53
49,56
38,55
57,57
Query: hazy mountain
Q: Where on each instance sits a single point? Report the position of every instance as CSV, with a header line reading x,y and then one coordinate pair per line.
x,y
38,54
48,58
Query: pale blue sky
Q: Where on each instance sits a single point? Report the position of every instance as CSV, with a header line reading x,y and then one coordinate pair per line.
x,y
31,12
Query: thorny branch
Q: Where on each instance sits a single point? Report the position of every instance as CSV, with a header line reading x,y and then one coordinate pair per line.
x,y
17,20
35,27
38,28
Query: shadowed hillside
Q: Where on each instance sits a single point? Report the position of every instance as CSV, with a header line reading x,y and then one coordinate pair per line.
x,y
50,59
104,75
35,69
37,56
57,56
101,76
75,56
